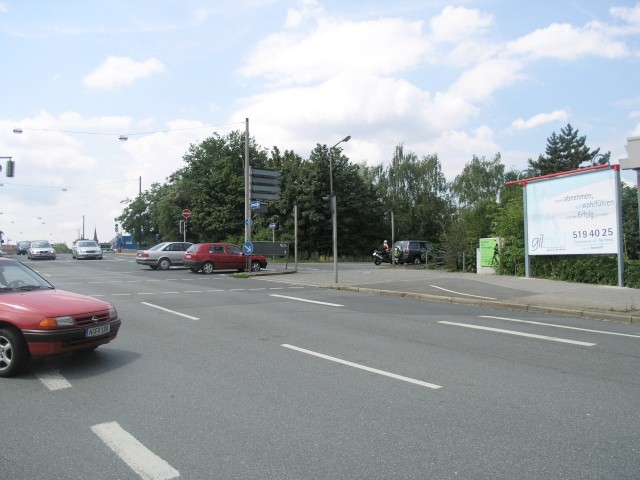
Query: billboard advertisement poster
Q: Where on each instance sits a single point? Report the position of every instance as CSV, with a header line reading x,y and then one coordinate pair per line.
x,y
489,252
573,214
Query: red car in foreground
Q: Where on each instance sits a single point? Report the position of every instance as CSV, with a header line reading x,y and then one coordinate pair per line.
x,y
221,256
38,320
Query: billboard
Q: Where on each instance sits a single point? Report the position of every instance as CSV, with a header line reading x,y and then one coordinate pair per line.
x,y
489,252
573,214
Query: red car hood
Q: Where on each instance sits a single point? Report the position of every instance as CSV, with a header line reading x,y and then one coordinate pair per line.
x,y
49,303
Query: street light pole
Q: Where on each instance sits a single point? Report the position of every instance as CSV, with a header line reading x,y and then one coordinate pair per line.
x,y
334,213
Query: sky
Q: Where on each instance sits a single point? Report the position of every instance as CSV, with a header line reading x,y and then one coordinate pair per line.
x,y
452,78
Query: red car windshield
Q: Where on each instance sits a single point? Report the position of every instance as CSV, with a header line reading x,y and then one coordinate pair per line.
x,y
16,276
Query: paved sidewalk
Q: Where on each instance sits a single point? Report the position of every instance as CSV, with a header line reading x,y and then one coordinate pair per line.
x,y
613,303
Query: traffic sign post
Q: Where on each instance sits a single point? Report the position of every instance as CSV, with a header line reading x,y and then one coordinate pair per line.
x,y
186,213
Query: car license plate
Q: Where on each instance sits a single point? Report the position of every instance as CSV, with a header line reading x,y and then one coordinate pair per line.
x,y
97,331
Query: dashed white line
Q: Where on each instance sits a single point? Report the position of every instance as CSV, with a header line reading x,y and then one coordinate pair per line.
x,y
561,326
363,367
170,311
307,301
53,380
521,334
139,458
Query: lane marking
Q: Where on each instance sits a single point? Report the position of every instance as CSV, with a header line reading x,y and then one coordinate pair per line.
x,y
561,326
307,301
139,458
53,380
363,367
460,293
170,311
521,334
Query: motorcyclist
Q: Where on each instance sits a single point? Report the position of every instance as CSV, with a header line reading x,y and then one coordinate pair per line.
x,y
384,248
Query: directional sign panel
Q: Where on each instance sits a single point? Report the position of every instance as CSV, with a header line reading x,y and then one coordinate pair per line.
x,y
265,184
247,248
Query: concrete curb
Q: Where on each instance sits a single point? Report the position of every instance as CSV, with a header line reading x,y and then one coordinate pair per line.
x,y
590,314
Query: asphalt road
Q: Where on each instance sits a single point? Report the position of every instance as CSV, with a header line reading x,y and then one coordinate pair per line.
x,y
216,377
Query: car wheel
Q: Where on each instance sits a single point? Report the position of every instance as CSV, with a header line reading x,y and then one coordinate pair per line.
x,y
208,267
164,264
255,266
13,352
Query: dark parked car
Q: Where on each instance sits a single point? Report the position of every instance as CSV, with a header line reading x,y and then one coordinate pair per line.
x,y
221,256
164,255
23,246
38,320
411,251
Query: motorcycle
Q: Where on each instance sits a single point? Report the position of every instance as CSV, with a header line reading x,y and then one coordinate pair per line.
x,y
381,256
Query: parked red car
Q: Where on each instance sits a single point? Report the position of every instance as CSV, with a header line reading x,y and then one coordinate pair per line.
x,y
221,256
38,320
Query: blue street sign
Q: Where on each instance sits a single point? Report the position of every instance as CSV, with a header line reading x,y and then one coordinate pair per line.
x,y
255,204
247,248
248,221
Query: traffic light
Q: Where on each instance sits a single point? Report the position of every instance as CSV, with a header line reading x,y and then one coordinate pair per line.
x,y
10,168
327,202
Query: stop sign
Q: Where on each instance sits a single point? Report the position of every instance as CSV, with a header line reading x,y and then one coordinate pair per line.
x,y
186,213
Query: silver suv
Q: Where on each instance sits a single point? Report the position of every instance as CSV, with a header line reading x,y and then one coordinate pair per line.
x,y
164,255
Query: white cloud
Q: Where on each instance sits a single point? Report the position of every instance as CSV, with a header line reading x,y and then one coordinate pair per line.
x,y
117,72
483,80
627,14
564,41
458,24
381,47
308,9
540,119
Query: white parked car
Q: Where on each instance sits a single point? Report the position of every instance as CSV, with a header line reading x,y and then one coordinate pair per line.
x,y
41,249
163,255
86,249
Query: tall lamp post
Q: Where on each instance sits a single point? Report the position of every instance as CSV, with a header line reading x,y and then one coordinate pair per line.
x,y
334,213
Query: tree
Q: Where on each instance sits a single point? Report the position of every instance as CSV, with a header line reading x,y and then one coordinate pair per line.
x,y
564,152
416,190
630,222
480,180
